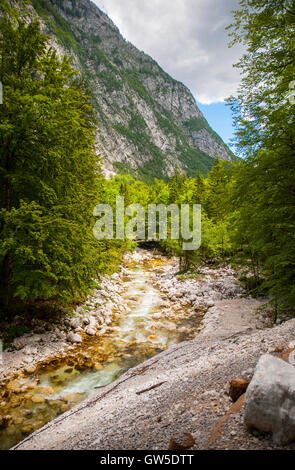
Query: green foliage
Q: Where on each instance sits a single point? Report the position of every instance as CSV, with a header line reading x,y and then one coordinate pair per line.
x,y
196,124
48,173
179,190
167,125
109,80
215,238
50,179
58,25
263,221
137,123
195,161
6,7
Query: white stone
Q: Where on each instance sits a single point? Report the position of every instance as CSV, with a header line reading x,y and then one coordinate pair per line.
x,y
75,323
18,343
74,338
29,350
270,399
90,331
157,316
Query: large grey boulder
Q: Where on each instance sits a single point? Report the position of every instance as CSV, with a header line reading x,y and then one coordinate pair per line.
x,y
270,399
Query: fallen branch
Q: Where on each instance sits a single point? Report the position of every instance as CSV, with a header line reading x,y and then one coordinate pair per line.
x,y
150,388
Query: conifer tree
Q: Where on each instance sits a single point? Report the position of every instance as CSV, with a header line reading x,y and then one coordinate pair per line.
x,y
48,172
264,192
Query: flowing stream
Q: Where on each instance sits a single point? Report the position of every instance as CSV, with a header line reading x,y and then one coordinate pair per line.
x,y
62,383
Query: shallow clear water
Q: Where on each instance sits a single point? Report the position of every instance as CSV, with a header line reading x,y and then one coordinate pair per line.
x,y
133,338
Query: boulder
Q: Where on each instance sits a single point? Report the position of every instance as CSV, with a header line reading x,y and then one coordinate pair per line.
x,y
270,399
19,343
237,388
157,316
30,350
182,443
4,421
37,399
90,331
75,323
74,338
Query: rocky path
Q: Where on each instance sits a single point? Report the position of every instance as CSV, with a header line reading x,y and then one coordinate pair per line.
x,y
218,294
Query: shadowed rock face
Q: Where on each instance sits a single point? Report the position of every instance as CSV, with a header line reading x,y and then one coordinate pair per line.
x,y
148,123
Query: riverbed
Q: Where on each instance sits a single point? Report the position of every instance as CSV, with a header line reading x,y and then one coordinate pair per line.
x,y
146,329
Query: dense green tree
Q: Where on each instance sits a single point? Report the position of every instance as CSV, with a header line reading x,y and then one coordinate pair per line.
x,y
264,114
216,199
199,189
48,172
264,191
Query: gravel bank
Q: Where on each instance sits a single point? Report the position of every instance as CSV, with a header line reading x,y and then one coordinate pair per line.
x,y
57,338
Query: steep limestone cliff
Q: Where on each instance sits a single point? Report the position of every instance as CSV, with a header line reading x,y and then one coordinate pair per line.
x,y
148,123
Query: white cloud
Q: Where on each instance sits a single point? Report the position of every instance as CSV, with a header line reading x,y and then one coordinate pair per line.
x,y
186,37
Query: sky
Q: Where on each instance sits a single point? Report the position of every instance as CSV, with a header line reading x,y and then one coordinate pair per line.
x,y
188,40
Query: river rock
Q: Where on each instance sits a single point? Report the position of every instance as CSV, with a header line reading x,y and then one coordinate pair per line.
x,y
73,397
237,388
74,338
75,323
37,399
182,443
270,399
157,316
29,350
19,343
27,429
4,421
90,331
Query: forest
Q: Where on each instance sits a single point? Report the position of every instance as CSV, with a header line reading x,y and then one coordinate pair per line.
x,y
51,178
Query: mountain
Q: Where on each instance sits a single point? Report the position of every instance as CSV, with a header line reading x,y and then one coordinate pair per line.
x,y
148,123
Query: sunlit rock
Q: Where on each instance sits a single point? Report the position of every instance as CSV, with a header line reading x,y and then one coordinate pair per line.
x,y
270,399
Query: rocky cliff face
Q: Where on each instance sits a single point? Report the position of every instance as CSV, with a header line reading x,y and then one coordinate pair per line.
x,y
148,123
